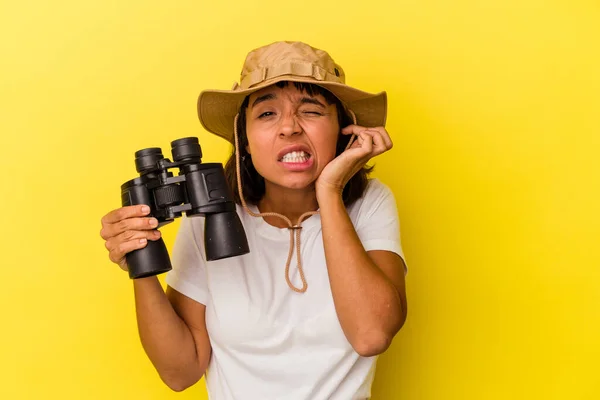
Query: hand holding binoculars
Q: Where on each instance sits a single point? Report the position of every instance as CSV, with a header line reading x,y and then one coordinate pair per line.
x,y
198,190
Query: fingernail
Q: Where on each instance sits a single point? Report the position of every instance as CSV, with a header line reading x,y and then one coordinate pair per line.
x,y
142,241
145,209
153,222
157,233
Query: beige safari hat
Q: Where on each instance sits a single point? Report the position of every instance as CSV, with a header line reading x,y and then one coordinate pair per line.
x,y
287,61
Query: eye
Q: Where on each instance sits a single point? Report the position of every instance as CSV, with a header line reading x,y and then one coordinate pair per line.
x,y
312,112
266,114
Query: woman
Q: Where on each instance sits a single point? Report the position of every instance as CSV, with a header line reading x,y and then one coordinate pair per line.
x,y
257,326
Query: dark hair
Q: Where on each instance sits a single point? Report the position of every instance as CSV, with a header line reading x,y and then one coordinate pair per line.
x,y
253,184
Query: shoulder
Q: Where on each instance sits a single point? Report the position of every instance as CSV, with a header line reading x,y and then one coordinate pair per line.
x,y
375,191
377,196
376,188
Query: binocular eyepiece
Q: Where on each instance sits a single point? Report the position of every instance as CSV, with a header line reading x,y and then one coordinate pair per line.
x,y
198,190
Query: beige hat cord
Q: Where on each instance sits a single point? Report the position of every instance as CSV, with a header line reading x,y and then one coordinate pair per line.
x,y
292,228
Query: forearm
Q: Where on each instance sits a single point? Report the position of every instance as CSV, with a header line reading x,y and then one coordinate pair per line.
x,y
367,302
166,338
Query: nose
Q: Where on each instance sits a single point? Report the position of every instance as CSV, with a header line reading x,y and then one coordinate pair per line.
x,y
289,125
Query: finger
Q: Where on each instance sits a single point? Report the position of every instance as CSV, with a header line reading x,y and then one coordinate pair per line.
x,y
353,129
382,141
154,235
128,236
356,129
365,142
358,141
379,145
386,137
125,212
131,224
117,255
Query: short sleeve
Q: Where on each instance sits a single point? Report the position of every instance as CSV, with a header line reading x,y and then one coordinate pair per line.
x,y
378,224
188,275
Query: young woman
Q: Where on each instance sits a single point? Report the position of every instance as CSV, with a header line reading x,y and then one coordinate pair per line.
x,y
321,293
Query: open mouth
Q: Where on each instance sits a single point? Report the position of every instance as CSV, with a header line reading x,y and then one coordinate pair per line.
x,y
296,157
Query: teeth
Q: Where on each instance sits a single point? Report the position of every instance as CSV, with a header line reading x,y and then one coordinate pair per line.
x,y
295,157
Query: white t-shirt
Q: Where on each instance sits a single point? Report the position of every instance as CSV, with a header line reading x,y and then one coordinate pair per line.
x,y
269,342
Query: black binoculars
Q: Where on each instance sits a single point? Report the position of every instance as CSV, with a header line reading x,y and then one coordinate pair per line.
x,y
198,190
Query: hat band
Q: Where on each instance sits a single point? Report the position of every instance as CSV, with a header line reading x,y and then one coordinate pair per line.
x,y
299,69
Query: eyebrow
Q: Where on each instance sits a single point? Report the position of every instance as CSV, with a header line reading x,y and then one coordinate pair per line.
x,y
263,98
311,100
272,96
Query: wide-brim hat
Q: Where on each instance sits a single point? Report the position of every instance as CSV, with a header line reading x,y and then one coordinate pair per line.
x,y
294,62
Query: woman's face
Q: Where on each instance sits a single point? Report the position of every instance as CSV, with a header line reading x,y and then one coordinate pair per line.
x,y
291,135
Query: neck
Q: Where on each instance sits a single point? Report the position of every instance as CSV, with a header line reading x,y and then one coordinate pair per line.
x,y
291,203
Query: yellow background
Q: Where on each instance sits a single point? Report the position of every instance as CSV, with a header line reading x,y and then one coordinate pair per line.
x,y
494,112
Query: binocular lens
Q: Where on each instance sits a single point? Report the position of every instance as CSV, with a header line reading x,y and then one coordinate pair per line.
x,y
186,148
145,160
224,236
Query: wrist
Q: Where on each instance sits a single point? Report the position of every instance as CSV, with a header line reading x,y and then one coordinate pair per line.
x,y
329,196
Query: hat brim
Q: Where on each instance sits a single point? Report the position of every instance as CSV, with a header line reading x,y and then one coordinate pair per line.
x,y
217,108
